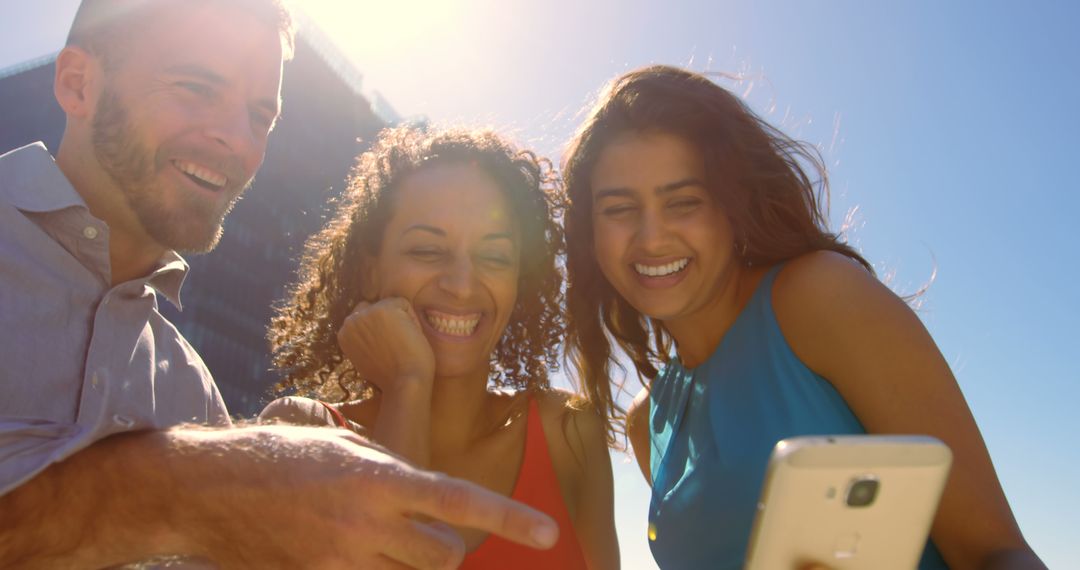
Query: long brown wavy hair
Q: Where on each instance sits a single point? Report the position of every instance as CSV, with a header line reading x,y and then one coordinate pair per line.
x,y
757,174
303,333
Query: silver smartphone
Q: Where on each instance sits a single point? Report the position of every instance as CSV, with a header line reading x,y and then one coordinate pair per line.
x,y
862,501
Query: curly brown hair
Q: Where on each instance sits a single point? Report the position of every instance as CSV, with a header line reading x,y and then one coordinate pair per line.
x,y
303,333
757,174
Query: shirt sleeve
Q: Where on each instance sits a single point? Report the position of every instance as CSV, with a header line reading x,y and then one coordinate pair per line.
x,y
27,447
217,415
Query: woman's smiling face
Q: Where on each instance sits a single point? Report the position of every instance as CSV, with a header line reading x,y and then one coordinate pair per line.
x,y
660,238
452,250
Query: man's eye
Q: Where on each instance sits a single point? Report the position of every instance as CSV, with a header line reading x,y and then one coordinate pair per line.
x,y
196,88
262,121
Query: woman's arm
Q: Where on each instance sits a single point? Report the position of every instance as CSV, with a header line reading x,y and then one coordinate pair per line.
x,y
594,517
637,430
386,346
848,327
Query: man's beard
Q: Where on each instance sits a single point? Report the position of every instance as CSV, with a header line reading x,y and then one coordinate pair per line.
x,y
192,224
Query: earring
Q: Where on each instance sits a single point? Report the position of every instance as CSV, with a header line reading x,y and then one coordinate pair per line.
x,y
741,247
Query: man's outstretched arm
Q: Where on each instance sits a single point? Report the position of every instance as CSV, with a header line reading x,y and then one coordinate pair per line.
x,y
254,496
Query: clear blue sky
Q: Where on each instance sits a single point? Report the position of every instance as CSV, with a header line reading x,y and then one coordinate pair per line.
x,y
952,127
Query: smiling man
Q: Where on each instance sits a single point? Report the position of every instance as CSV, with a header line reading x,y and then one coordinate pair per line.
x,y
104,454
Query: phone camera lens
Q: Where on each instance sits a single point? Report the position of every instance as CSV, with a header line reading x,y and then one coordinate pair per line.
x,y
862,492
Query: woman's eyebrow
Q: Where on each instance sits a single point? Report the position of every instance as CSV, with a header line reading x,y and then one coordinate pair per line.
x,y
679,185
425,228
621,192
509,236
613,193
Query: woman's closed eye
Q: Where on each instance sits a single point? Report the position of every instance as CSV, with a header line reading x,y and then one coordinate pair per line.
x,y
426,253
684,205
618,210
497,260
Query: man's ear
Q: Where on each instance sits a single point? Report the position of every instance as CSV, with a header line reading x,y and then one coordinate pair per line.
x,y
78,82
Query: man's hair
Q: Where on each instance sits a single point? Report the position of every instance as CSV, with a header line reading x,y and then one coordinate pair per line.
x,y
100,25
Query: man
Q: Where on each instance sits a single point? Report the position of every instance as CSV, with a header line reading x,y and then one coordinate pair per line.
x,y
169,104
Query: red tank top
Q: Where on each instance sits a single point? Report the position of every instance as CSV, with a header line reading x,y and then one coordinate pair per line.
x,y
538,487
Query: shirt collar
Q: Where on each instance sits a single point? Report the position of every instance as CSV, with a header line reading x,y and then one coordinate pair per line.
x,y
169,277
31,182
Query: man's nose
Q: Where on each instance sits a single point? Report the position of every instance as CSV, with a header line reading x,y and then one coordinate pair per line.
x,y
232,128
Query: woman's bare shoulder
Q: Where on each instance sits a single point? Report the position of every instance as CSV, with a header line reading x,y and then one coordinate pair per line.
x,y
573,426
820,276
363,412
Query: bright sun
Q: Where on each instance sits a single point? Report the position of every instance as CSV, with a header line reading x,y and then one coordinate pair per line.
x,y
368,29
413,52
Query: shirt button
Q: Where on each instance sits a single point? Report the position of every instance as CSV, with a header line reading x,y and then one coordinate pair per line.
x,y
123,421
90,232
94,380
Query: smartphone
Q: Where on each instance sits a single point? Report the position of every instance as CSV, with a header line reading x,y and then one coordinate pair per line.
x,y
853,501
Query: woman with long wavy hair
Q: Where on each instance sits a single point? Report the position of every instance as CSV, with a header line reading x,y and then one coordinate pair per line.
x,y
697,243
428,315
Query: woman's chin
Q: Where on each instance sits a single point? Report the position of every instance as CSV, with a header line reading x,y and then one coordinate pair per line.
x,y
459,366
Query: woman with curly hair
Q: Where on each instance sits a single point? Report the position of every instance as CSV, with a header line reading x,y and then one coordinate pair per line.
x,y
697,243
427,315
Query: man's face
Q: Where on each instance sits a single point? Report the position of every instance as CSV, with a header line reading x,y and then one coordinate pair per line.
x,y
182,123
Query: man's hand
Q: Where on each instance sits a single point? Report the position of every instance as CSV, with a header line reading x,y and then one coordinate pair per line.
x,y
252,497
327,500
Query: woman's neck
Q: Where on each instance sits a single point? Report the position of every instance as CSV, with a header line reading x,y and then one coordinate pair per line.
x,y
699,333
460,412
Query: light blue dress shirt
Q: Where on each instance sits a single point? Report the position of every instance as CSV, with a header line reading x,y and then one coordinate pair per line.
x,y
80,359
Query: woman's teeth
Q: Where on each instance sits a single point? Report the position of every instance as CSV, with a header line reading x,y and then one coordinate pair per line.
x,y
662,270
453,325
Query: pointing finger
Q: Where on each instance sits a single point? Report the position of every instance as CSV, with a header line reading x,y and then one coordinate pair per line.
x,y
464,504
419,545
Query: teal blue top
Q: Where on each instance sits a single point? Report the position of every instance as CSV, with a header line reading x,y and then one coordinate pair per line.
x,y
713,428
